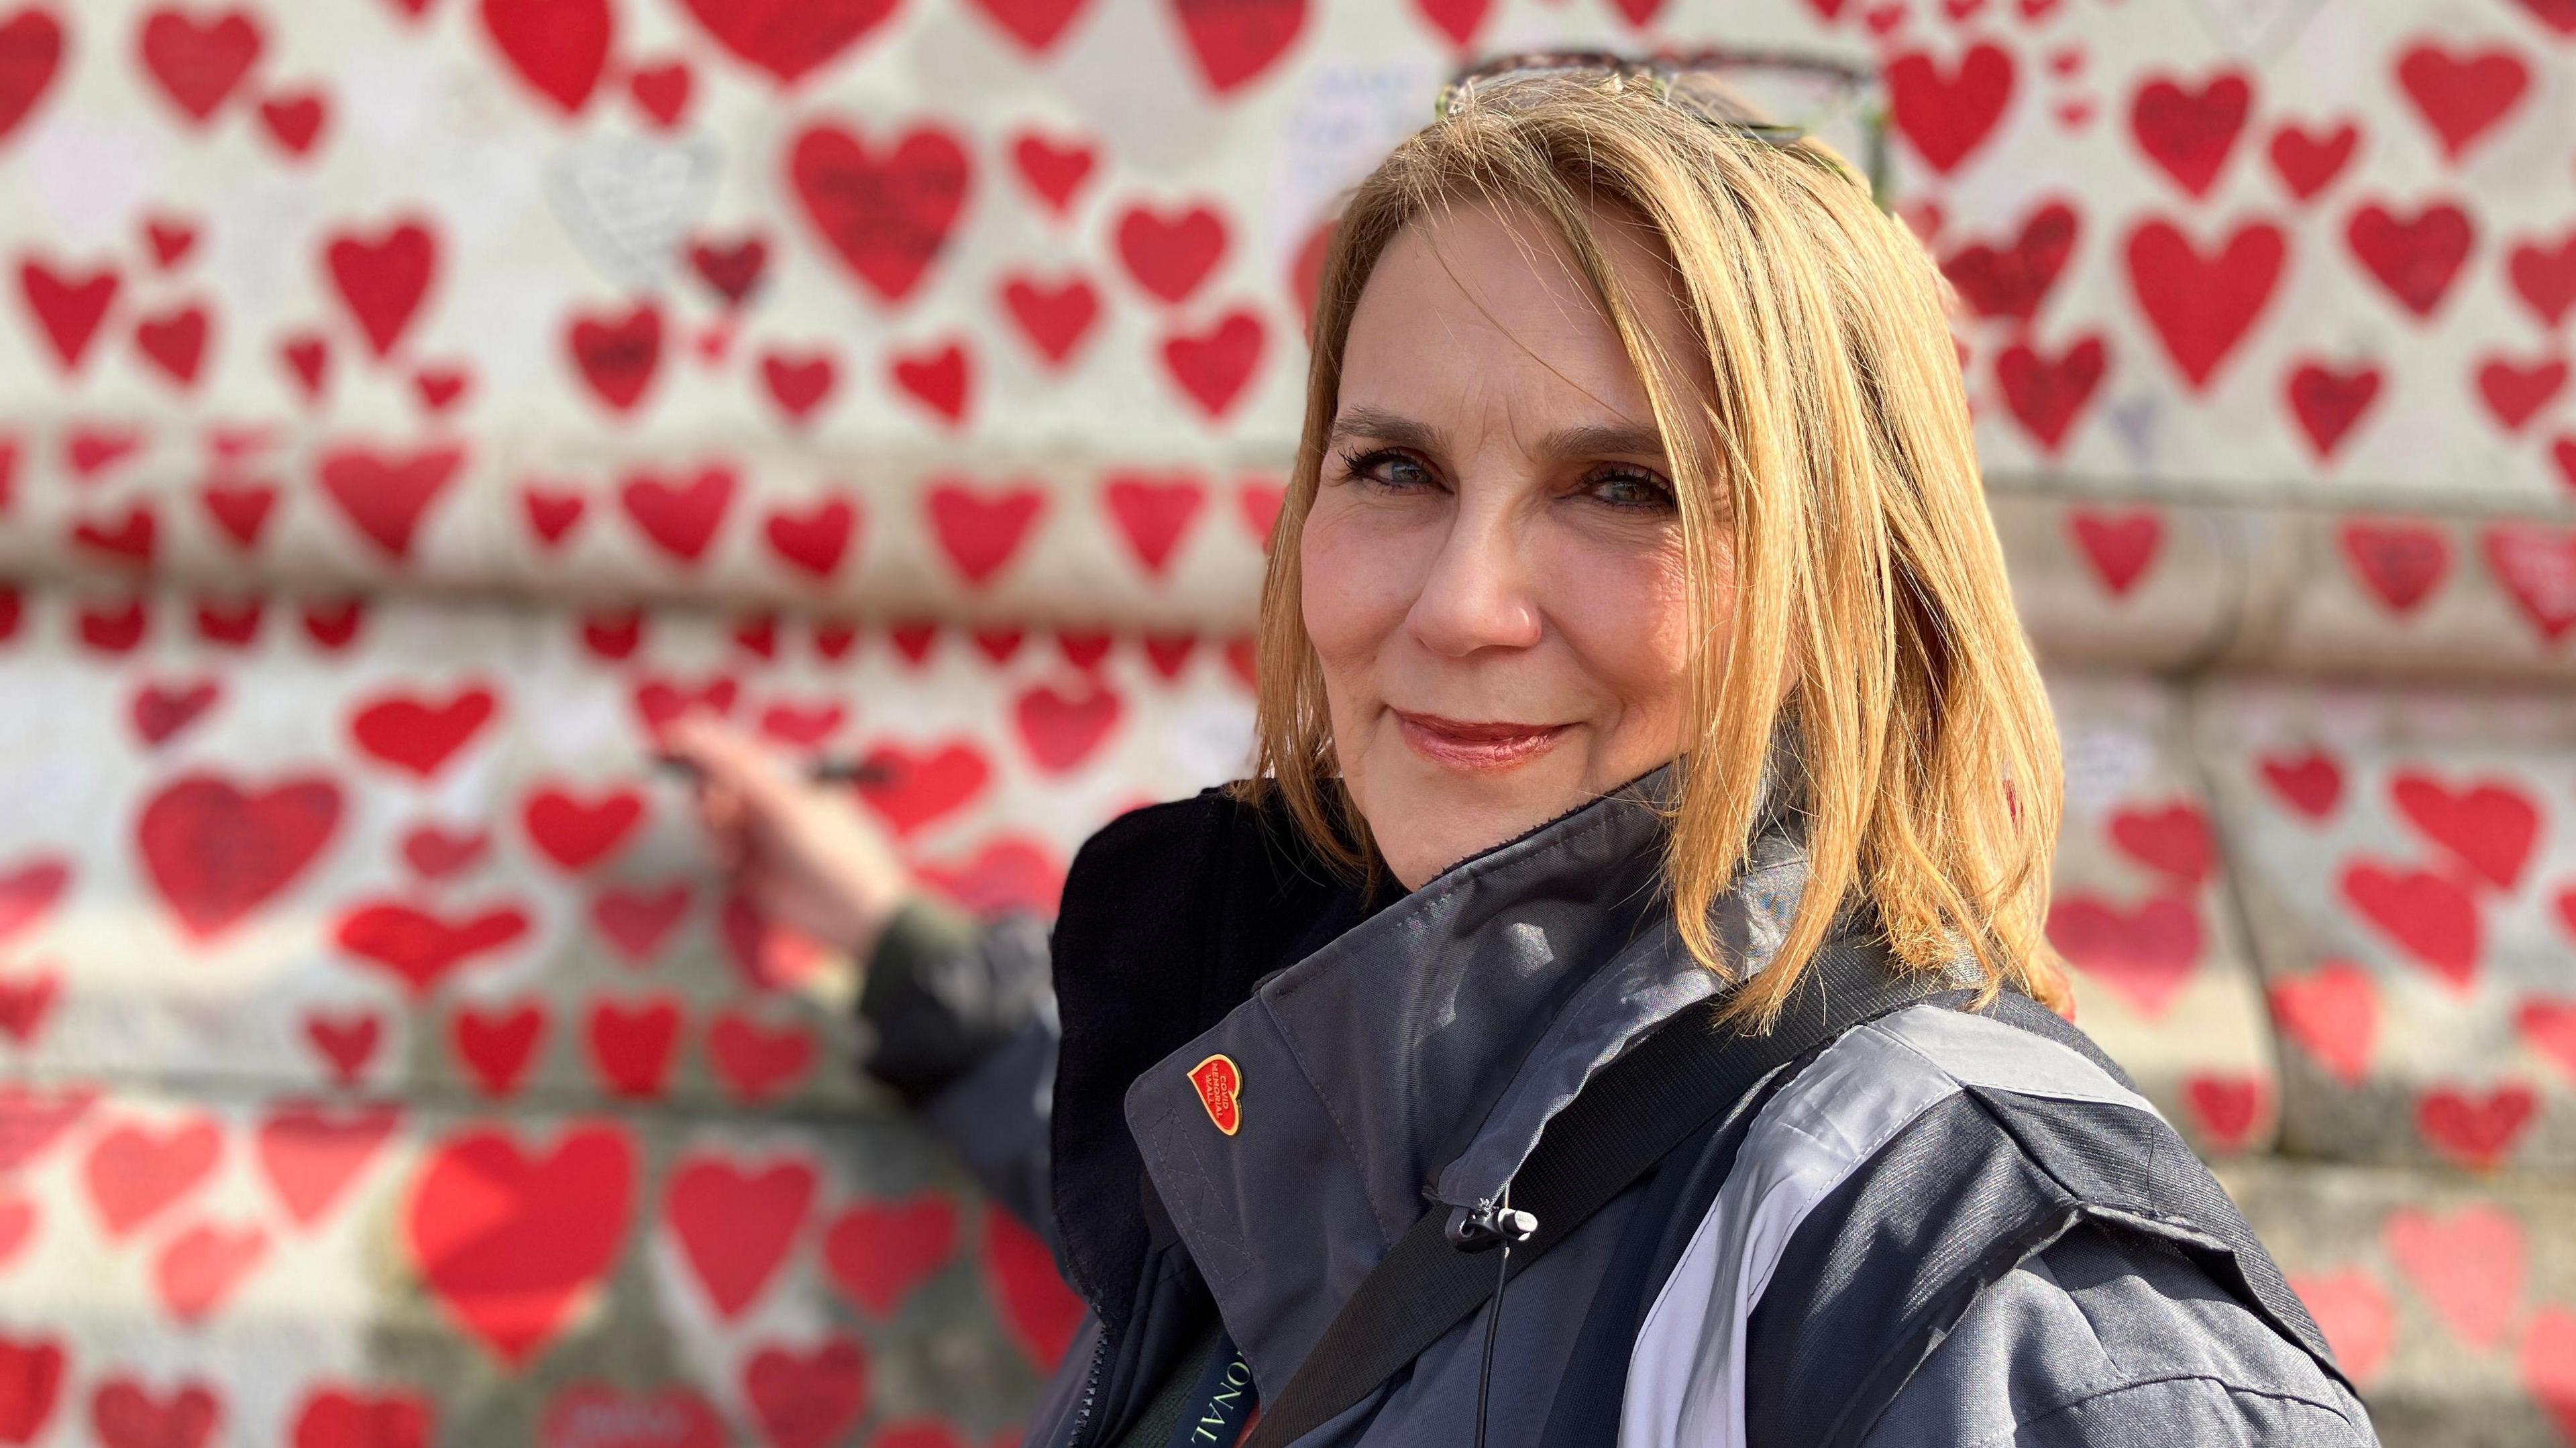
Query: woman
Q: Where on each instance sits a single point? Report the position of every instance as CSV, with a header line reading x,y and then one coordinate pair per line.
x,y
1635,653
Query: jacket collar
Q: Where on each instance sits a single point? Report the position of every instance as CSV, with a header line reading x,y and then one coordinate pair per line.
x,y
1415,1057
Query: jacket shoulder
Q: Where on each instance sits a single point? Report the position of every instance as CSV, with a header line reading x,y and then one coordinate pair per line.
x,y
1880,1192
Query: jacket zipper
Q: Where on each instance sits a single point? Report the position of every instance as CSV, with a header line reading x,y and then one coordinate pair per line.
x,y
1090,1391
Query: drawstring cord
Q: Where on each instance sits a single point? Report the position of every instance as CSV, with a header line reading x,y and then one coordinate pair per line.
x,y
1494,1319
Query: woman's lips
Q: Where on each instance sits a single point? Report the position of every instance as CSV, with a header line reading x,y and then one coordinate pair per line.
x,y
1474,744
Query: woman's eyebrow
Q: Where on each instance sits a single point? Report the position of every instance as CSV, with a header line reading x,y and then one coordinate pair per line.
x,y
1385,426
1571,444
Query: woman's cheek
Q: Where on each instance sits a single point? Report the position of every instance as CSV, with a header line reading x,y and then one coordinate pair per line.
x,y
1625,613
1352,582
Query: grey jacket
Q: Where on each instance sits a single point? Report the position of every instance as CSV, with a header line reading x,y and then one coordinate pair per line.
x,y
1907,1239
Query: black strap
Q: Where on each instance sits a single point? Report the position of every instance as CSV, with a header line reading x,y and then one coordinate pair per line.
x,y
1625,1120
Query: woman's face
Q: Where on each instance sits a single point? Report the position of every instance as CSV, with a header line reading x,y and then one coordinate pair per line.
x,y
1493,571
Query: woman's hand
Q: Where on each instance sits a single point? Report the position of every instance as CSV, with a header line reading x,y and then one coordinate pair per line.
x,y
802,853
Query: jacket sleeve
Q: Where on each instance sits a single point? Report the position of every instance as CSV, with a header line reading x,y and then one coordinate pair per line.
x,y
2109,1340
962,1015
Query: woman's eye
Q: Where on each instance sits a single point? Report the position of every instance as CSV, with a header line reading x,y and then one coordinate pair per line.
x,y
1632,488
1390,470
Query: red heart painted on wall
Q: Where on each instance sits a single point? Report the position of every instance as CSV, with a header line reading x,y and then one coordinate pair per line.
x,y
617,353
217,852
421,949
498,1046
347,1042
387,494
31,1119
2400,563
2121,546
2011,281
2549,1026
2461,97
1235,41
31,49
1054,319
294,119
2490,827
198,1269
888,215
2515,391
2191,133
807,1399
2433,920
2175,840
2309,161
382,279
417,734
2200,305
232,624
919,787
633,1044
2545,277
31,1374
1035,24
337,1417
2468,1263
578,833
680,515
2353,1311
798,381
2332,1012
2327,403
2046,394
134,1172
25,1002
437,853
789,38
1170,254
980,529
161,710
754,1061
637,923
1062,730
878,1253
1153,513
28,891
731,270
551,514
659,701
736,1222
124,1415
510,1239
2146,954
2549,1344
2230,1110
2537,566
939,377
1039,1311
240,513
174,342
559,47
1054,171
1948,114
2476,1129
1004,874
199,63
813,539
662,91
68,307
1213,365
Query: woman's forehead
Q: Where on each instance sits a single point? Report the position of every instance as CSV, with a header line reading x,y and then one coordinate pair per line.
x,y
1484,305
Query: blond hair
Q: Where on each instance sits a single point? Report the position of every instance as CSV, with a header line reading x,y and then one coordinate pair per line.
x,y
1821,434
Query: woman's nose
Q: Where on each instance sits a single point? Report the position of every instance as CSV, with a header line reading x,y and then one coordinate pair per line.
x,y
1477,592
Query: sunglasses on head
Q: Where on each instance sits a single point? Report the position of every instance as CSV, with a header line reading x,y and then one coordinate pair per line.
x,y
1710,84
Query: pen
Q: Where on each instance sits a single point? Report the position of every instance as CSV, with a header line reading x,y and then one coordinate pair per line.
x,y
819,770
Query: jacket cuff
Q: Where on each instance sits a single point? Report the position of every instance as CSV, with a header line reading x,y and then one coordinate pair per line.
x,y
943,992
